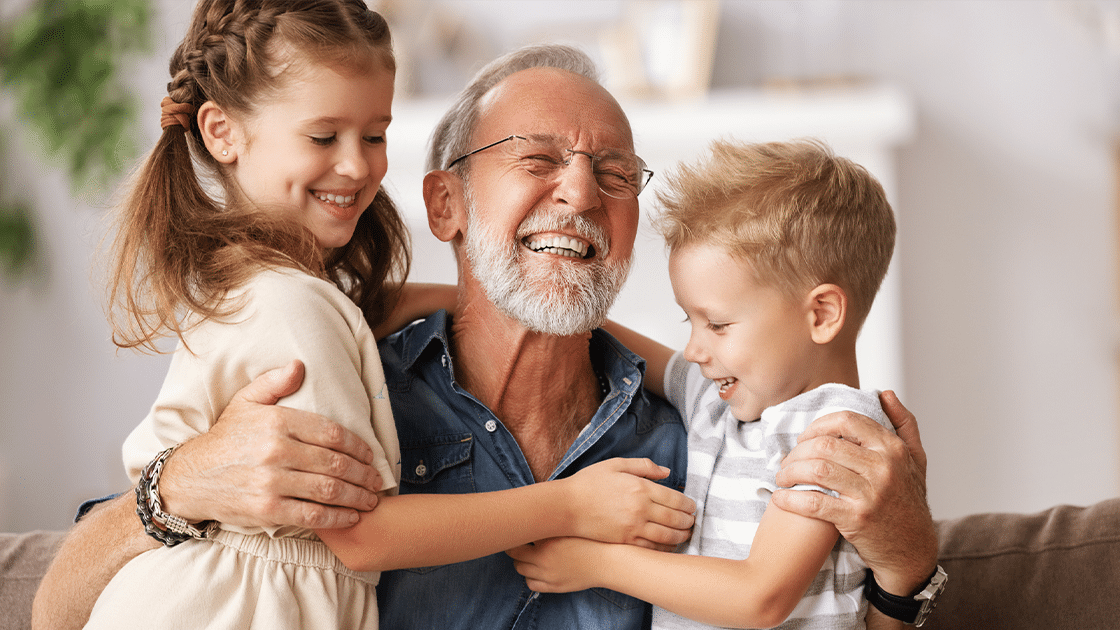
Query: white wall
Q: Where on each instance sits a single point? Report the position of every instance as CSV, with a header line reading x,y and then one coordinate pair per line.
x,y
1007,261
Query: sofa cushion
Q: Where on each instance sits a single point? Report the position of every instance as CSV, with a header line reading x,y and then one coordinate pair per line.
x,y
1055,569
24,559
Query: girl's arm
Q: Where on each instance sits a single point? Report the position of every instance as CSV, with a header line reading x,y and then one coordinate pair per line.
x,y
656,355
612,501
758,592
417,300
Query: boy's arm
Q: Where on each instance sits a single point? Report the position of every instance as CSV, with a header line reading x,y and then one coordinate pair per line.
x,y
656,355
612,500
758,592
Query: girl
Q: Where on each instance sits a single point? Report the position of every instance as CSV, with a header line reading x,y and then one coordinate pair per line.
x,y
284,105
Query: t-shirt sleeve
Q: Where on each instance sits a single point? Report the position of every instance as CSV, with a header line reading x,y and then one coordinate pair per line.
x,y
685,387
284,316
784,423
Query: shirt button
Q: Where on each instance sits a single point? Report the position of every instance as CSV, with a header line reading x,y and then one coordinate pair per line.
x,y
491,426
443,360
421,470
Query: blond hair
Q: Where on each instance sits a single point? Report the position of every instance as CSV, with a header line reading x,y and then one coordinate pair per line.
x,y
178,251
798,213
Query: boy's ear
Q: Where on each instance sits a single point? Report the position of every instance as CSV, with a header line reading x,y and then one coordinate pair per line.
x,y
219,132
443,198
828,309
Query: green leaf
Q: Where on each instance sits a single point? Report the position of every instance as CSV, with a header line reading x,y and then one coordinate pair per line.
x,y
62,62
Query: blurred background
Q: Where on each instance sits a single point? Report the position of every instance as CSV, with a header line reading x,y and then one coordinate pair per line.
x,y
992,124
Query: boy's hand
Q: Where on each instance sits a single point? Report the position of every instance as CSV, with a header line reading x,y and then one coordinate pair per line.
x,y
616,501
558,565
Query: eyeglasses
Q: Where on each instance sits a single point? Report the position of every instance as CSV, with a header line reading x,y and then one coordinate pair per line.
x,y
620,173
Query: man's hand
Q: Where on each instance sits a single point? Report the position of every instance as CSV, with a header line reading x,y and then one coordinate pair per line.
x,y
267,465
880,477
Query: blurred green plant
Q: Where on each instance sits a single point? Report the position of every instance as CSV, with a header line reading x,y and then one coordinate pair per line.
x,y
61,61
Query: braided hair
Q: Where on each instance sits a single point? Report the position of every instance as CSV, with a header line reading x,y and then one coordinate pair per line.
x,y
179,248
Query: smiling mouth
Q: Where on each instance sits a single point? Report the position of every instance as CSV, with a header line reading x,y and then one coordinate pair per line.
x,y
342,201
561,246
725,384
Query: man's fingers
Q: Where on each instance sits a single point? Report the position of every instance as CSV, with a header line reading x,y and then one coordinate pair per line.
x,y
315,515
270,387
808,504
316,430
848,425
905,425
325,475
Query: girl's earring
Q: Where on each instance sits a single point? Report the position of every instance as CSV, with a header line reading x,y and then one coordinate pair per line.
x,y
225,152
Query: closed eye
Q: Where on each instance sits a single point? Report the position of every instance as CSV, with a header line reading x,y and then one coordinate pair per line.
x,y
714,327
323,141
375,139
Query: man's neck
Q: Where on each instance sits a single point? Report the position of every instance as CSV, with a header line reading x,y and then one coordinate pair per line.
x,y
542,387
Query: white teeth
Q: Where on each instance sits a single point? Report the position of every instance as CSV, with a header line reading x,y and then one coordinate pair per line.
x,y
724,383
337,200
560,245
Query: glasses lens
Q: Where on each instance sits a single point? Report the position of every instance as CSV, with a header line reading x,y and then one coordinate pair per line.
x,y
540,157
620,174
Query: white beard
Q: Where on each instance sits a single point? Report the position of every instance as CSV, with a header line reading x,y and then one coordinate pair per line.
x,y
554,297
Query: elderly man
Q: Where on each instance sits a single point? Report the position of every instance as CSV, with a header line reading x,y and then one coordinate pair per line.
x,y
534,182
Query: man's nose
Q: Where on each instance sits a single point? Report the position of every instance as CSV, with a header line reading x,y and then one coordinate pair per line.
x,y
576,185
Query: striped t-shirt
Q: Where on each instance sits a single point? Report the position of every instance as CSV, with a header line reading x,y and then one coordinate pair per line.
x,y
731,471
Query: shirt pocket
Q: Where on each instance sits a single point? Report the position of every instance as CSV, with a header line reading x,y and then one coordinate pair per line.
x,y
439,464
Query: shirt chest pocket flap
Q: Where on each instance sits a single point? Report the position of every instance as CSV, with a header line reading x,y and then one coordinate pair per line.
x,y
438,464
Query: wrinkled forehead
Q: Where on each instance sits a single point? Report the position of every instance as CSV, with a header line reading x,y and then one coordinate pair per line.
x,y
553,103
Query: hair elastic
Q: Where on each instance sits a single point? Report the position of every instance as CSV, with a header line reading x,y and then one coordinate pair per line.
x,y
172,113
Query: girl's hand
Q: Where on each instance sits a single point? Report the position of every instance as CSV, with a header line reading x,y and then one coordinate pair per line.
x,y
616,501
559,565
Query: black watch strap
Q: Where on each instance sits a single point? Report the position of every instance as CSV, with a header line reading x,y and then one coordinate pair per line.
x,y
912,609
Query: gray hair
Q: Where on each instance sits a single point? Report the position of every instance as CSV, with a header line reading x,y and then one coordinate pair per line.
x,y
452,136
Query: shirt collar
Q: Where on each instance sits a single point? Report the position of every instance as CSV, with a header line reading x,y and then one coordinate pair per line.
x,y
622,367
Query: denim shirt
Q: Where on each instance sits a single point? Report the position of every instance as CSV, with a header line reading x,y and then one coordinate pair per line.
x,y
452,443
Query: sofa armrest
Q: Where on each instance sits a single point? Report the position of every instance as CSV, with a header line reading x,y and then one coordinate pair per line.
x,y
24,559
1053,569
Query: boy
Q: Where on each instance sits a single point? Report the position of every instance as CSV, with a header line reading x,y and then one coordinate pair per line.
x,y
776,253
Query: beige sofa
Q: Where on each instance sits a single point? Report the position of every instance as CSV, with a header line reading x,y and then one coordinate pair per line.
x,y
1058,569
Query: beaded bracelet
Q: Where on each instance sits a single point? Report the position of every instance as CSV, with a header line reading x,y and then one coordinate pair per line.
x,y
149,508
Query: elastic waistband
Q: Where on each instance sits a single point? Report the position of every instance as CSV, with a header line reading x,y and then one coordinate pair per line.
x,y
305,552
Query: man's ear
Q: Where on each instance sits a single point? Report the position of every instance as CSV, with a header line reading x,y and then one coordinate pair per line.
x,y
827,311
443,198
219,132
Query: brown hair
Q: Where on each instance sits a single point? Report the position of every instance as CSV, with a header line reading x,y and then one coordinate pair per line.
x,y
801,215
178,250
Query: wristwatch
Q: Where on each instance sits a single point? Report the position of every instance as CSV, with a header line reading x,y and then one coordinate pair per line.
x,y
912,610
